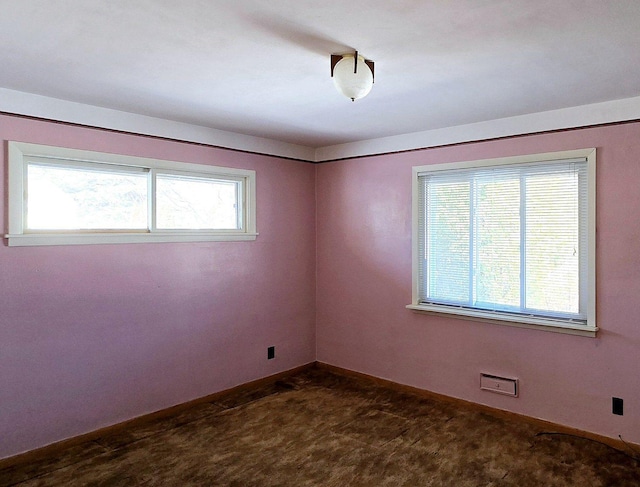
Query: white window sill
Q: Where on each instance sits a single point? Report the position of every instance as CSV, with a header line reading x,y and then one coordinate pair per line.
x,y
532,322
38,239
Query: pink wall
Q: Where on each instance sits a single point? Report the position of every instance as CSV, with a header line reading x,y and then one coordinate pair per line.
x,y
94,335
364,283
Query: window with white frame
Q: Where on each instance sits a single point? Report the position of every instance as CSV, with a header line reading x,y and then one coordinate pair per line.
x,y
508,240
60,196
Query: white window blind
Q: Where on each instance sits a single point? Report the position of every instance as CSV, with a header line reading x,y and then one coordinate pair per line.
x,y
509,239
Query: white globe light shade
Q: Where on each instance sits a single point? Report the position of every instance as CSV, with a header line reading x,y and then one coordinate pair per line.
x,y
350,84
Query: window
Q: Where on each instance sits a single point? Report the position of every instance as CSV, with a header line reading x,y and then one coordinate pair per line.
x,y
63,196
508,240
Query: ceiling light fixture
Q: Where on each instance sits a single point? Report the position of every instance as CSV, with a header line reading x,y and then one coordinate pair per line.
x,y
352,74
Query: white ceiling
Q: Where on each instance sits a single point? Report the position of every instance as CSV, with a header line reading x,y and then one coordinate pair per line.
x,y
261,68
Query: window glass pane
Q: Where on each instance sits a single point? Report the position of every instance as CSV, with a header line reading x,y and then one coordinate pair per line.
x,y
448,242
552,251
197,203
497,242
77,198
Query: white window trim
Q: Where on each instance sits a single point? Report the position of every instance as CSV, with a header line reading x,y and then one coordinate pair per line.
x,y
520,321
19,152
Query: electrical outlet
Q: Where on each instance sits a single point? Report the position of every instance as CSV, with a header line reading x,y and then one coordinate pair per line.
x,y
271,353
617,406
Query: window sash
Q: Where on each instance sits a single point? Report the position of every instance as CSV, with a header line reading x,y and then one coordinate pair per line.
x,y
40,216
162,220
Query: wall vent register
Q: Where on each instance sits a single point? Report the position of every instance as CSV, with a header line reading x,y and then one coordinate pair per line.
x,y
500,385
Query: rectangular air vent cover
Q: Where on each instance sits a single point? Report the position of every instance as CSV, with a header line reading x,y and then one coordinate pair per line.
x,y
501,385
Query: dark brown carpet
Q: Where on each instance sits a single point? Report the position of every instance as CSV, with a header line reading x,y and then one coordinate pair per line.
x,y
320,429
